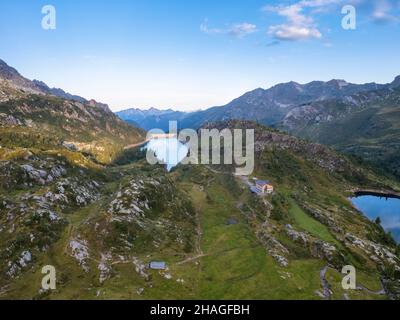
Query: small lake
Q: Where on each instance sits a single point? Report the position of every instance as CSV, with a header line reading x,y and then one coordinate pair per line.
x,y
387,209
168,150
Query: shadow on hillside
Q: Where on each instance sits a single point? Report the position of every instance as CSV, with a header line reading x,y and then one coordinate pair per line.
x,y
129,156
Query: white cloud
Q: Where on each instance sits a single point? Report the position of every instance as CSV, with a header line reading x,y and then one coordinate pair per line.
x,y
294,32
382,12
298,26
239,30
243,29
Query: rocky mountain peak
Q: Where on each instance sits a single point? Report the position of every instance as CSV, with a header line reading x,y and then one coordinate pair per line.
x,y
13,77
292,85
7,72
338,83
396,82
102,106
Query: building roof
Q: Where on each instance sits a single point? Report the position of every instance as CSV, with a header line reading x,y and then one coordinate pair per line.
x,y
262,182
158,265
255,190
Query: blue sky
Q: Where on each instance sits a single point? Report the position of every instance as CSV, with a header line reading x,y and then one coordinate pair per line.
x,y
197,54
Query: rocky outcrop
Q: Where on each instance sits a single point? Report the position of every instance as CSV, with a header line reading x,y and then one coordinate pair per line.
x,y
74,191
20,263
80,251
318,248
274,247
128,205
376,252
36,175
9,120
323,216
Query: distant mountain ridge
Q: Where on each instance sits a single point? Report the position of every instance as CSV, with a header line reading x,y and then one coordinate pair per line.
x,y
152,118
266,106
271,105
38,87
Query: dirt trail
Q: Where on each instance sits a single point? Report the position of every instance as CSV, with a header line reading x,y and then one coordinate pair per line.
x,y
199,232
378,293
192,259
325,285
327,292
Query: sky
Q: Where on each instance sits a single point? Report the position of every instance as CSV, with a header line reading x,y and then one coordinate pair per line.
x,y
196,54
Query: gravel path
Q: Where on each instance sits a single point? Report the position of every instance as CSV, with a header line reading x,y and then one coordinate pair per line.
x,y
325,286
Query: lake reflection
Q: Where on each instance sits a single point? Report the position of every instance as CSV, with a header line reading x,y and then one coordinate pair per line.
x,y
387,209
168,150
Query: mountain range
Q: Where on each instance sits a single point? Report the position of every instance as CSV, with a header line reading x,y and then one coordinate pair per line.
x,y
266,106
151,118
366,124
359,119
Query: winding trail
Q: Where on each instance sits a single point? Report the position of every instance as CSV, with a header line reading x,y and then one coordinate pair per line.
x,y
327,292
325,285
378,293
192,259
4,290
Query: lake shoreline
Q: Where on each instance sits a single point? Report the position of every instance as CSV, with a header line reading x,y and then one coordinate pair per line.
x,y
384,206
377,193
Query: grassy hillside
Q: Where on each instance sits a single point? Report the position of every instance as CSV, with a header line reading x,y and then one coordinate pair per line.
x,y
100,226
47,122
366,125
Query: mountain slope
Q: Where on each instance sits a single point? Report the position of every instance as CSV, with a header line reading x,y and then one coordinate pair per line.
x,y
365,124
101,228
31,115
